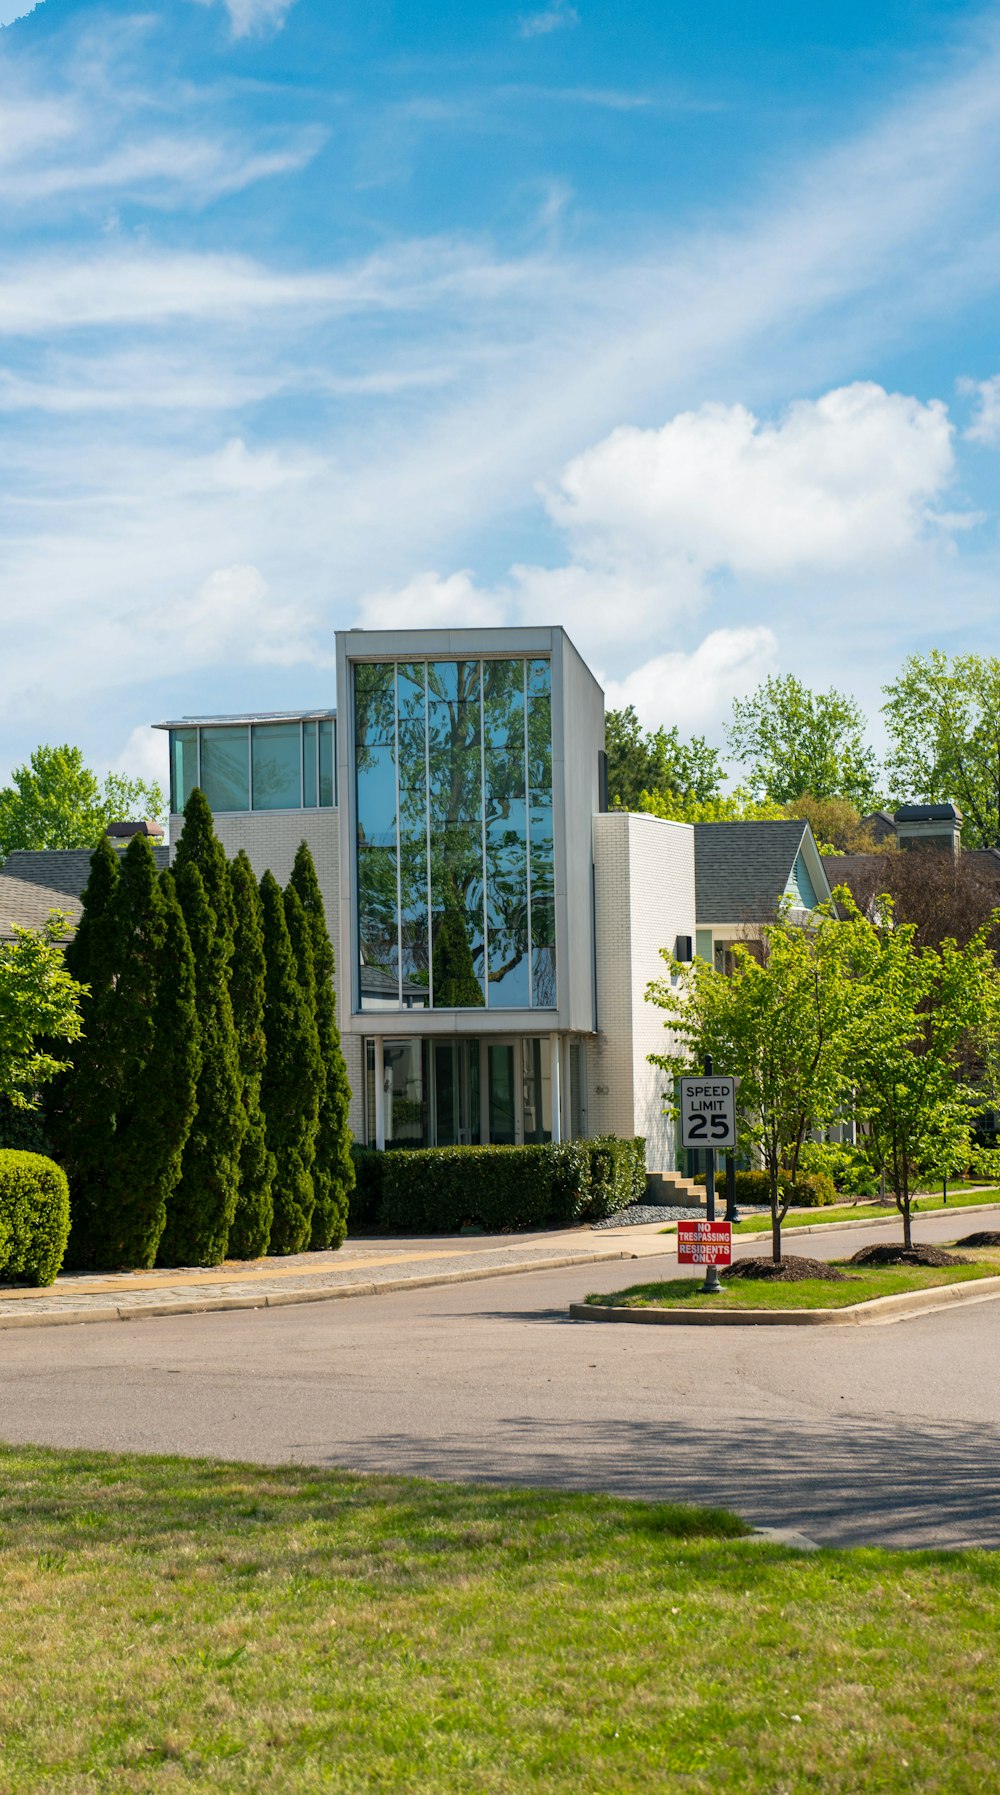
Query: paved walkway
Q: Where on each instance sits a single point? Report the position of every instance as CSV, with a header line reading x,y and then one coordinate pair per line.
x,y
361,1267
365,1267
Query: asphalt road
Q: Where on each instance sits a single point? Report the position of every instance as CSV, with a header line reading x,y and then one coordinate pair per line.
x,y
880,1435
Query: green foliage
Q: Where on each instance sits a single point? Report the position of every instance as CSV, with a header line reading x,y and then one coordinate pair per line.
x,y
792,741
122,1114
202,1206
200,846
39,1008
837,825
943,718
455,983
80,1103
251,1226
919,1009
333,1167
781,1023
984,1162
56,802
291,1080
736,806
658,764
24,1129
438,1190
810,1190
849,1167
34,1217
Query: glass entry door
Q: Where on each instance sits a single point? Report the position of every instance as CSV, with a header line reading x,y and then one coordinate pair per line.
x,y
456,1093
502,1069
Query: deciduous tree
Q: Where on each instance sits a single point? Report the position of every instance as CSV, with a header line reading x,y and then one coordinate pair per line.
x,y
39,1008
792,740
943,717
55,801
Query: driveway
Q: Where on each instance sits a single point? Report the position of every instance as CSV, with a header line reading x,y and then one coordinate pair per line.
x,y
885,1435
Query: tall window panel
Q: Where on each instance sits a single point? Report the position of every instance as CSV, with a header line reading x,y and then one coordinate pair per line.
x,y
377,852
455,805
506,840
225,768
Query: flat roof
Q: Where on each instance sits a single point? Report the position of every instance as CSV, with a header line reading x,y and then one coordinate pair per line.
x,y
313,716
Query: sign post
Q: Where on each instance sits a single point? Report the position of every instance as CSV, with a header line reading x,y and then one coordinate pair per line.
x,y
708,1120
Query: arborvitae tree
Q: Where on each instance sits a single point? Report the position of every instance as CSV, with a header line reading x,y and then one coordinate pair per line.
x,y
455,983
200,846
290,1085
80,1103
251,1229
333,1169
148,1061
203,1205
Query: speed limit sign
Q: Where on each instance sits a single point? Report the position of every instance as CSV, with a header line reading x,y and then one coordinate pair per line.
x,y
708,1112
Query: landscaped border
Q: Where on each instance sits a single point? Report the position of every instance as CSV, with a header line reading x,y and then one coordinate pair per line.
x,y
876,1311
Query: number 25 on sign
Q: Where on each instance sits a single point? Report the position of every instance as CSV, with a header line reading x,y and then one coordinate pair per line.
x,y
708,1112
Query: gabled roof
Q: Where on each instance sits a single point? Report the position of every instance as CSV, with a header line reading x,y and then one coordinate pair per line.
x,y
743,871
35,881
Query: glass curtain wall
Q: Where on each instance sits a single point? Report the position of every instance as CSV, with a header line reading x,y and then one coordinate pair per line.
x,y
455,882
288,765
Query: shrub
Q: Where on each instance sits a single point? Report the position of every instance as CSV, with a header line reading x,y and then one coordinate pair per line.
x,y
617,1175
811,1189
849,1167
984,1163
34,1216
366,1193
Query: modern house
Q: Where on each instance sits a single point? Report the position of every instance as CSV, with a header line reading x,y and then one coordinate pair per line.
x,y
496,925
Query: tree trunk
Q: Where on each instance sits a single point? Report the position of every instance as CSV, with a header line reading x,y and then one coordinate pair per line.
x,y
775,1225
907,1240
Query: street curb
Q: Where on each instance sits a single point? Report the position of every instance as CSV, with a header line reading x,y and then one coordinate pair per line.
x,y
866,1221
879,1310
281,1299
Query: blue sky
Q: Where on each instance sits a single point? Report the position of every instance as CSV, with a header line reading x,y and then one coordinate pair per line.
x,y
674,325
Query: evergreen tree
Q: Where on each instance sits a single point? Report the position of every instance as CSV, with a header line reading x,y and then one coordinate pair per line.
x,y
290,1084
203,1205
146,1062
333,1169
251,1229
80,1102
200,846
455,983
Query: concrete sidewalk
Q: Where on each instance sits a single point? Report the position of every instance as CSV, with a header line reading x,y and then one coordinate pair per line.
x,y
363,1267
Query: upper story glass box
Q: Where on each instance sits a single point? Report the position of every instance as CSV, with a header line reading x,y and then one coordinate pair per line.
x,y
454,862
279,762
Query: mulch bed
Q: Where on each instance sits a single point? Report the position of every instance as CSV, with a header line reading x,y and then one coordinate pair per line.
x,y
987,1237
887,1253
791,1270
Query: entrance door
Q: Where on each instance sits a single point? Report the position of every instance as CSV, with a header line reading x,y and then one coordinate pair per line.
x,y
502,1059
456,1093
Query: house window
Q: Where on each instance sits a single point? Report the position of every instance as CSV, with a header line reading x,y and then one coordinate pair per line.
x,y
281,765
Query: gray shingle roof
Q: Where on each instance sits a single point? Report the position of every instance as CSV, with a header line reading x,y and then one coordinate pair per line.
x,y
741,869
33,882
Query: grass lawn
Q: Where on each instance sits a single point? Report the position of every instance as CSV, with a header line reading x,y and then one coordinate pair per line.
x,y
859,1212
812,1293
178,1626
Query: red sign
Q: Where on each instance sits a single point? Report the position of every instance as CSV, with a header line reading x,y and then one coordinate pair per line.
x,y
704,1243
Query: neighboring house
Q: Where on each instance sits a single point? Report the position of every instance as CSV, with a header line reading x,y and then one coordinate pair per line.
x,y
34,882
745,873
934,828
496,927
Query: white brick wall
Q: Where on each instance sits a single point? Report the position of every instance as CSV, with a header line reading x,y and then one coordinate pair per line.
x,y
270,838
644,899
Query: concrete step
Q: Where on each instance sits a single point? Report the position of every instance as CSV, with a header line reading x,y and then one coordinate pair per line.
x,y
671,1189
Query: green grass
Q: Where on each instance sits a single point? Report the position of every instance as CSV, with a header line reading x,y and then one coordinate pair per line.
x,y
181,1626
859,1212
811,1293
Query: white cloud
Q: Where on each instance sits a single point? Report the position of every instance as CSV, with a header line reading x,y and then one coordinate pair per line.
x,y
233,615
252,18
695,689
558,17
985,426
431,602
839,482
146,755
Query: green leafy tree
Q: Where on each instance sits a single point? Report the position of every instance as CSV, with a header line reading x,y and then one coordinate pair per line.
x,y
251,1228
56,802
125,1108
792,740
919,1010
333,1167
39,1007
943,718
202,1206
455,983
736,806
837,824
80,1102
291,1081
658,763
780,1023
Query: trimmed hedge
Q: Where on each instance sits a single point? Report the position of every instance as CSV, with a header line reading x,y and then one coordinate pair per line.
x,y
811,1190
439,1190
34,1216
